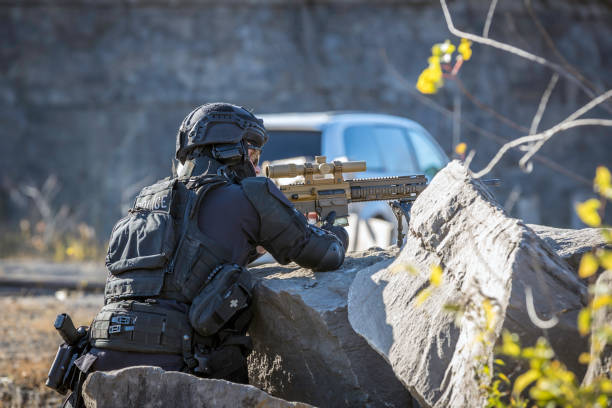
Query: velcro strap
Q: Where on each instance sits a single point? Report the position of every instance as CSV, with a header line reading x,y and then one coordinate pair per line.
x,y
238,340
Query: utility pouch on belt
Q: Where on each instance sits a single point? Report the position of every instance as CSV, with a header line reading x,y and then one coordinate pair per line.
x,y
227,291
139,326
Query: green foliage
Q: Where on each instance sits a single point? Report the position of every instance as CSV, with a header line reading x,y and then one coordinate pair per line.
x,y
544,381
547,382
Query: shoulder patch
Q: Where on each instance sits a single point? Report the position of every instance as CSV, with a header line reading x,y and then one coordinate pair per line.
x,y
278,194
156,197
255,186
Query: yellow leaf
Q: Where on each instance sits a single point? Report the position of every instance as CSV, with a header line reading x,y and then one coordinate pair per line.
x,y
499,362
424,85
605,258
434,71
588,265
601,301
461,148
584,358
403,267
606,386
587,212
524,380
447,47
584,321
541,395
436,51
503,377
452,308
510,346
602,400
465,49
422,296
436,275
602,181
607,234
489,313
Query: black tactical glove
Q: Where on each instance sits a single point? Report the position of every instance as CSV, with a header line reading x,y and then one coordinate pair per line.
x,y
338,231
341,233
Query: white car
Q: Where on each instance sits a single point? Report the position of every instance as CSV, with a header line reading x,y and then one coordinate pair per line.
x,y
390,145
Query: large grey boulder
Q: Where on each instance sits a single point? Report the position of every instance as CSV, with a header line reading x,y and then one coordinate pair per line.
x,y
151,387
305,348
601,363
485,255
571,244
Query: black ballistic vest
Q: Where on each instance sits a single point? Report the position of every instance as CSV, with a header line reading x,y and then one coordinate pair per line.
x,y
157,250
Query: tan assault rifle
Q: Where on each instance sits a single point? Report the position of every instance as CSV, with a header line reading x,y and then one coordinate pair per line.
x,y
326,193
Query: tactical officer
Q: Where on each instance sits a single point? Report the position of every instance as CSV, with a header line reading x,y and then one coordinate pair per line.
x,y
177,293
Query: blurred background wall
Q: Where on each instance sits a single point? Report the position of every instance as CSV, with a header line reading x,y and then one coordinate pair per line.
x,y
92,92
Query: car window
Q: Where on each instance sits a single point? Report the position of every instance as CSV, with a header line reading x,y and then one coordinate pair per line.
x,y
428,155
384,148
284,144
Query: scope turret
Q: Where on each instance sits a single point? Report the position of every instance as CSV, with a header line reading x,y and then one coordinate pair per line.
x,y
320,167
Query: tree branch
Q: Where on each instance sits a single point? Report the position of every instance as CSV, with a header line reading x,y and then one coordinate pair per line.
x,y
409,87
543,103
513,50
540,137
488,109
487,26
551,44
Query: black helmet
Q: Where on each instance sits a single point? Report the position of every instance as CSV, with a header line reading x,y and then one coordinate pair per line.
x,y
219,124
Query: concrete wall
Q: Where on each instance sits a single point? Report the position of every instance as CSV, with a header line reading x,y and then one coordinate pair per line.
x,y
93,91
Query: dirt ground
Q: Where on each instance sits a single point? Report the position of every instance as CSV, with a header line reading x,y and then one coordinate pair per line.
x,y
28,343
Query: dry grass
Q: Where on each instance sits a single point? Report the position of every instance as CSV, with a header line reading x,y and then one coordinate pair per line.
x,y
29,341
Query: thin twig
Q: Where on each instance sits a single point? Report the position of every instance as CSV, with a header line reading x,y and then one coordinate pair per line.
x,y
513,50
488,109
551,44
487,26
544,136
524,162
513,198
533,316
409,87
469,158
543,103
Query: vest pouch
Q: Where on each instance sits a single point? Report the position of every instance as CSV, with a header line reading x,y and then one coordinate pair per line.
x,y
139,327
141,245
195,261
142,240
228,290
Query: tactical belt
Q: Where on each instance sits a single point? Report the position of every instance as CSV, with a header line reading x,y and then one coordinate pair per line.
x,y
144,327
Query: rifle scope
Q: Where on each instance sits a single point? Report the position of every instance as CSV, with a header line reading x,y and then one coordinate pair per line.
x,y
294,170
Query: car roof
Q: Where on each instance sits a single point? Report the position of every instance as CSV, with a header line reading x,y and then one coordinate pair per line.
x,y
315,121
